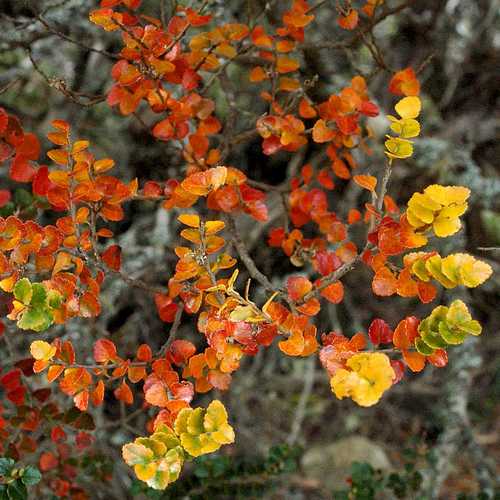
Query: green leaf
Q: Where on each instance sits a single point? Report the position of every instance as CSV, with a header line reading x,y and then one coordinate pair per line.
x,y
430,337
54,299
23,291
17,491
22,198
36,319
451,335
39,296
423,348
31,476
6,464
471,327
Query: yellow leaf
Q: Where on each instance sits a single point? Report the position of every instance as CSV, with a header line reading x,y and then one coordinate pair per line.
x,y
398,148
370,375
444,226
144,472
408,107
447,195
405,128
42,351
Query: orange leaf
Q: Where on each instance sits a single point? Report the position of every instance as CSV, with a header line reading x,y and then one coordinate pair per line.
x,y
406,332
258,74
321,133
350,21
297,287
286,64
123,393
384,282
414,360
104,351
334,292
58,156
366,181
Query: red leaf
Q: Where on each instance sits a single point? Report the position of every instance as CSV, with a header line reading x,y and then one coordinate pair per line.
x,y
112,257
144,353
41,183
4,197
380,332
438,358
21,170
180,351
163,130
48,461
166,307
399,369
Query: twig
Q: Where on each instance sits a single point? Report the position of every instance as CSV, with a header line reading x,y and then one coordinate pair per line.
x,y
300,411
172,334
245,256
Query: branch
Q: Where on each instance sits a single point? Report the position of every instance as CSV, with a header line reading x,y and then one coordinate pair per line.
x,y
245,256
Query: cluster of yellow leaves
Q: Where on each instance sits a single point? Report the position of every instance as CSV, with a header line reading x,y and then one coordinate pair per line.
x,y
203,431
454,270
405,127
446,326
158,459
368,377
438,207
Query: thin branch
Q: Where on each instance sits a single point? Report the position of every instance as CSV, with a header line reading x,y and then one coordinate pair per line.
x,y
245,256
172,334
300,411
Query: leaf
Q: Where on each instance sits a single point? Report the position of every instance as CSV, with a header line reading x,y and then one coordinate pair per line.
x,y
42,350
286,64
101,166
31,476
59,156
123,393
112,257
334,292
349,21
297,287
191,220
406,332
366,182
321,133
36,319
414,360
398,148
104,351
408,107
384,282
23,291
380,332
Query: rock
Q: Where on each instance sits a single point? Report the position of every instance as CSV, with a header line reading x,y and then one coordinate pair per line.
x,y
331,464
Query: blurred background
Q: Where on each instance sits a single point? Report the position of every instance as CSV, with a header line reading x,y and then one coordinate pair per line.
x,y
436,434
